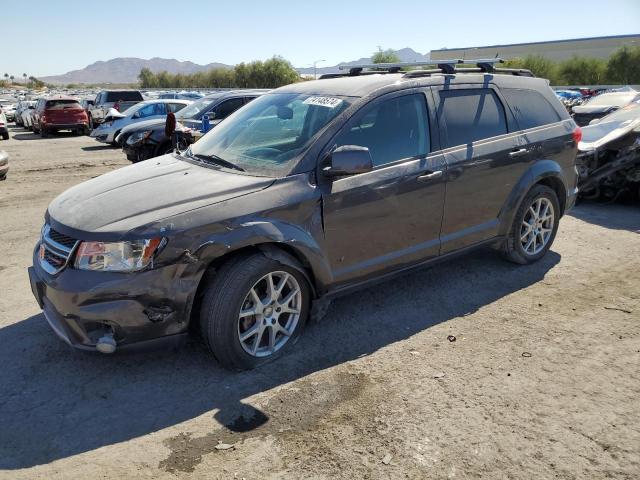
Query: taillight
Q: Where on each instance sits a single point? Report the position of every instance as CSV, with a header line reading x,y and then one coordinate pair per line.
x,y
116,106
577,135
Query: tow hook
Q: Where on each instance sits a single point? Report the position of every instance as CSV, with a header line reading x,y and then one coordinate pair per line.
x,y
106,344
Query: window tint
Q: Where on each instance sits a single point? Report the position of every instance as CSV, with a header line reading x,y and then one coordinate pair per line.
x,y
392,129
132,96
471,115
227,108
62,104
151,110
530,108
175,107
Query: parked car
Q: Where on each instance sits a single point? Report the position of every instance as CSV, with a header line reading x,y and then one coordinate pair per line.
x,y
4,129
308,192
9,110
601,105
609,156
28,116
146,110
23,108
121,100
148,139
59,112
4,165
182,95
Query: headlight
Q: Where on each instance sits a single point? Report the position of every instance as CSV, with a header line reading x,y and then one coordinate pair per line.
x,y
117,256
139,136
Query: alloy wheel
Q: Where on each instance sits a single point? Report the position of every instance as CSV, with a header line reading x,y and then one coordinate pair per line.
x,y
537,226
269,314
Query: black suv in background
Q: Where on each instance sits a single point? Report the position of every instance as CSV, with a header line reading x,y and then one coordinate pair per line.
x,y
308,192
144,140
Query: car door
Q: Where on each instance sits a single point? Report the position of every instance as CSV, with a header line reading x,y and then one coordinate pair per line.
x,y
485,156
224,109
389,217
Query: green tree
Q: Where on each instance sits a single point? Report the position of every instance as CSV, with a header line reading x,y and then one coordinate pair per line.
x,y
624,66
12,77
582,71
385,56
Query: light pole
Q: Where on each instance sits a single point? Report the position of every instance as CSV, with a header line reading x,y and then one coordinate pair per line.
x,y
315,76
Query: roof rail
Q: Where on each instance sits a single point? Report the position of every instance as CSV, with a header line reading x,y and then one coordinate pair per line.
x,y
396,67
482,65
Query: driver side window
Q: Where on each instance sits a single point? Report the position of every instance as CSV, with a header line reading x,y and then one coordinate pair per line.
x,y
392,129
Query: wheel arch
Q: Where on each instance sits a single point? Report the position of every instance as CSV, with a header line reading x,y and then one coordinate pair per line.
x,y
542,172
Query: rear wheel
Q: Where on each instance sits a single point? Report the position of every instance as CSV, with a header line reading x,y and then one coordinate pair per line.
x,y
5,135
43,132
253,311
534,226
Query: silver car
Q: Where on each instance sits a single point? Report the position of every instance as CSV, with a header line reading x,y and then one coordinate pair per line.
x,y
147,110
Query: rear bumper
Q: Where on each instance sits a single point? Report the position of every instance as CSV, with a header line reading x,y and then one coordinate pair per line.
x,y
64,126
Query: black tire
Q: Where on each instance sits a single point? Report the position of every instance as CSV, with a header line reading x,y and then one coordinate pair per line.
x,y
221,303
5,136
43,132
512,248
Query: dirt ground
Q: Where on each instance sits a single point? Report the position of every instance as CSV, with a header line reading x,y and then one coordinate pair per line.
x,y
542,380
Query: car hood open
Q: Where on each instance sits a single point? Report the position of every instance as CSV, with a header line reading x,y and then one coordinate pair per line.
x,y
133,196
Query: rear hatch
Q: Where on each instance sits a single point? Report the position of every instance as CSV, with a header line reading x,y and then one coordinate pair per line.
x,y
64,112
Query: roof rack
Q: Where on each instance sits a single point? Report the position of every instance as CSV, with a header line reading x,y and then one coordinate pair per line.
x,y
482,65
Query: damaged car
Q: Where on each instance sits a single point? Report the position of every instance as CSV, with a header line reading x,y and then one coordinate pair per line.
x,y
150,139
310,191
609,156
115,121
601,105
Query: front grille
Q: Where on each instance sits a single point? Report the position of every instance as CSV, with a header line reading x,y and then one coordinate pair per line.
x,y
61,238
55,250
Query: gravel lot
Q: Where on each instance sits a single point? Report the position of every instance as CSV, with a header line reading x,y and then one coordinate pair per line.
x,y
543,380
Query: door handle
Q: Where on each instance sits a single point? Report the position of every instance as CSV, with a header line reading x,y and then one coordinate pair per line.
x,y
518,153
430,176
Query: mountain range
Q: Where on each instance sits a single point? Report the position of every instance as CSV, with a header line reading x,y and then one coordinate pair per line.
x,y
126,69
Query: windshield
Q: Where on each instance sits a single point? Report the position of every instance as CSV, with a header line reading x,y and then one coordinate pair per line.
x,y
196,109
613,99
268,133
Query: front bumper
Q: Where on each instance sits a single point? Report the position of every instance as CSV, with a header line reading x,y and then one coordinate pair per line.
x,y
138,308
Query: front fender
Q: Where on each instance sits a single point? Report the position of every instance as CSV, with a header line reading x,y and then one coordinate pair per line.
x,y
538,171
258,233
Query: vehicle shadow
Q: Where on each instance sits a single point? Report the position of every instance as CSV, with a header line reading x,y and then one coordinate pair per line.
x,y
27,135
56,403
94,148
615,216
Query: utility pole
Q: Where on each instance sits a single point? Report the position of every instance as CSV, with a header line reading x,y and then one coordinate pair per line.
x,y
315,76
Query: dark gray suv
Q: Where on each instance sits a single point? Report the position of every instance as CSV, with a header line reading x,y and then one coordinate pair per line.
x,y
307,192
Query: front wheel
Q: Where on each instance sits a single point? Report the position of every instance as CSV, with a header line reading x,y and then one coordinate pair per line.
x,y
534,226
253,311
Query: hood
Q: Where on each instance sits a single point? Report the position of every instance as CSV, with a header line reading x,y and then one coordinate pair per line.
x,y
146,192
145,125
593,108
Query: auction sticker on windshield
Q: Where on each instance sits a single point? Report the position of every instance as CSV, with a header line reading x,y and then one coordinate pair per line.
x,y
329,102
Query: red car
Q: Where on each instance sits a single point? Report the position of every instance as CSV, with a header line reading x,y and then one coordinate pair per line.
x,y
59,112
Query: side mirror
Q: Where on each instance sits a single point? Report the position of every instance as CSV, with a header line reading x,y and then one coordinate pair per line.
x,y
349,160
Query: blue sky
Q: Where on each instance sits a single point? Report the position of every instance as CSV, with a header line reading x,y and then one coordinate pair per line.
x,y
46,37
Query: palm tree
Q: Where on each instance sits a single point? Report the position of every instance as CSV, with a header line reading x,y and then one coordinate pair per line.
x,y
6,75
24,75
12,77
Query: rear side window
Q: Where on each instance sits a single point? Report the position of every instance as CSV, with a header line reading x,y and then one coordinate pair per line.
x,y
392,130
61,104
175,107
530,108
471,115
124,96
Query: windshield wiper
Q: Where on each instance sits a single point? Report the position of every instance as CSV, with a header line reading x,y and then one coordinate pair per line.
x,y
214,159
